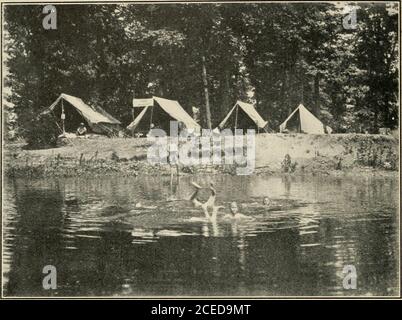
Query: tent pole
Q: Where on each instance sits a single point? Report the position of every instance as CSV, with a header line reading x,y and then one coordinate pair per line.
x,y
152,113
133,113
299,125
63,115
237,110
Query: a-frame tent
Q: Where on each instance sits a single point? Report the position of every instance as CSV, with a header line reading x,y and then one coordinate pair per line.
x,y
244,116
303,121
72,111
159,111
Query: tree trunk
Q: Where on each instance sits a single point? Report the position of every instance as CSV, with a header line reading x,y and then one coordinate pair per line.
x,y
284,88
225,95
375,126
206,92
317,95
132,107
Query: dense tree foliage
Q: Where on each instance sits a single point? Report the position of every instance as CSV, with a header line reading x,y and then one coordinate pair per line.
x,y
209,56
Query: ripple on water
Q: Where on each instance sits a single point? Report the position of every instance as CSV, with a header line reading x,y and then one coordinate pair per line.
x,y
167,247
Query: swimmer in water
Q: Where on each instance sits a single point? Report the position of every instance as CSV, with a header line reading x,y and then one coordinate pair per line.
x,y
266,201
210,203
234,212
271,205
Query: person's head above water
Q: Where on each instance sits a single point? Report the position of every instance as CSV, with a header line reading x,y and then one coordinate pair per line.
x,y
266,201
234,208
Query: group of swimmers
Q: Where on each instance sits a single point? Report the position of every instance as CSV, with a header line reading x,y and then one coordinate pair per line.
x,y
209,205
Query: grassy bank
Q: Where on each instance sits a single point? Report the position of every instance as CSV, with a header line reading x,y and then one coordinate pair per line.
x,y
275,153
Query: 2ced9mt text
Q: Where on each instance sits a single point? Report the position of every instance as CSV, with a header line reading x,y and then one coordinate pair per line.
x,y
212,309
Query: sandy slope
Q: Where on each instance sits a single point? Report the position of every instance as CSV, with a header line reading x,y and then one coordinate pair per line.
x,y
311,152
306,149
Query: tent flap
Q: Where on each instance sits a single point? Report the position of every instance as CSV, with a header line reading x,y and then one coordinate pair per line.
x,y
173,109
223,122
176,111
137,119
250,111
308,122
253,114
89,113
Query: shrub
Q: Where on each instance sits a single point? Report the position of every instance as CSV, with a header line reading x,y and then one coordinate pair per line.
x,y
41,132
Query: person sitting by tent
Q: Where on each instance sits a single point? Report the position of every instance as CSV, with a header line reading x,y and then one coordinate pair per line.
x,y
151,127
180,127
81,130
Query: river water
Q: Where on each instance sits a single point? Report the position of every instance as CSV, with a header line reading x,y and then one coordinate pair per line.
x,y
140,237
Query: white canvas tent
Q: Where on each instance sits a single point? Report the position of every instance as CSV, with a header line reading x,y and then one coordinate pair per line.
x,y
76,111
249,111
304,121
171,107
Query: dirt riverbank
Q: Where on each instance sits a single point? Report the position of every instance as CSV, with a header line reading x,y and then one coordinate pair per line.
x,y
307,154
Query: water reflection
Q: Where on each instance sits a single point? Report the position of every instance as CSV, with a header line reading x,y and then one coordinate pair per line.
x,y
125,236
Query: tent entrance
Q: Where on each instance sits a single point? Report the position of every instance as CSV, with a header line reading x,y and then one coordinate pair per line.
x,y
160,113
241,120
76,111
294,123
303,121
243,116
161,120
72,117
156,116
